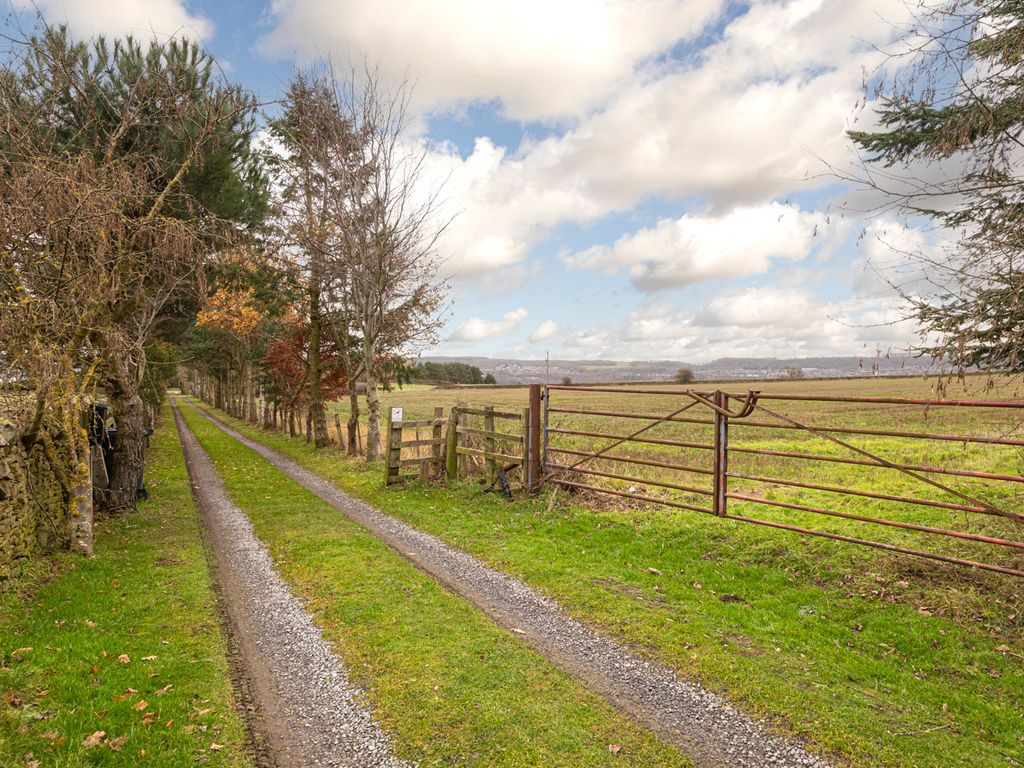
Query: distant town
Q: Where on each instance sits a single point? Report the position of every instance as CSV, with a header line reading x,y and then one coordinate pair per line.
x,y
509,371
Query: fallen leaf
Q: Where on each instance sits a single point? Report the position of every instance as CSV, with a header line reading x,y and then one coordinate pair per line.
x,y
149,658
1003,648
169,723
698,585
615,748
33,764
652,569
94,740
90,623
149,718
116,744
200,713
140,705
215,747
164,690
94,669
19,653
124,659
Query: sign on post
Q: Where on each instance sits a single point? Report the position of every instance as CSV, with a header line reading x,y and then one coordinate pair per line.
x,y
396,414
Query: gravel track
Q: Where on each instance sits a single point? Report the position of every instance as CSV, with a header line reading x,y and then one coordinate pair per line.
x,y
308,712
702,724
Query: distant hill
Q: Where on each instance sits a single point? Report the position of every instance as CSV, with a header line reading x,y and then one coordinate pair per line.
x,y
508,371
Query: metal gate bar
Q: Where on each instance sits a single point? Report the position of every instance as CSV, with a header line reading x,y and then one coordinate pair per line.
x,y
722,418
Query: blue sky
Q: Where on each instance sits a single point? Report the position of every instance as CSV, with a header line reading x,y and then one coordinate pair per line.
x,y
630,179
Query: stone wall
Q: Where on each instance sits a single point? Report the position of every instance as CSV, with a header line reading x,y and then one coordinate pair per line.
x,y
34,515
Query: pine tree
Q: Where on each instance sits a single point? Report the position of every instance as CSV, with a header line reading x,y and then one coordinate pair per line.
x,y
949,148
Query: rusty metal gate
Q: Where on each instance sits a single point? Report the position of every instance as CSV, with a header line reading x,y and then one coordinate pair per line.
x,y
719,453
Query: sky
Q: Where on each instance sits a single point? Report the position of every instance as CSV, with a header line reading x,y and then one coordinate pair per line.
x,y
625,179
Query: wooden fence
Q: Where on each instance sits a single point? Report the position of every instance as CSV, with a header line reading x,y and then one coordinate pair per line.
x,y
468,442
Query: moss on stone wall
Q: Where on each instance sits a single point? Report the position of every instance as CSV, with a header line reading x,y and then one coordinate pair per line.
x,y
33,509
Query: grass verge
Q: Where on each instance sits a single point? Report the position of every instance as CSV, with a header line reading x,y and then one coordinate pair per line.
x,y
450,686
120,660
889,661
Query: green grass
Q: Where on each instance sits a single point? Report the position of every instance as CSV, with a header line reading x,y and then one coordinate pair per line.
x,y
891,661
146,597
449,685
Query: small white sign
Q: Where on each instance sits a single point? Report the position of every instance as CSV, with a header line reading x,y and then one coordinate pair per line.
x,y
396,414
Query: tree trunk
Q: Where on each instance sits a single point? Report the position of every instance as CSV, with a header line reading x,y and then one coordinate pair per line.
x,y
317,412
353,419
129,451
250,391
372,404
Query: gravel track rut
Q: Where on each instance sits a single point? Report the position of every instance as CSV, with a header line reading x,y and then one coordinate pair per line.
x,y
305,711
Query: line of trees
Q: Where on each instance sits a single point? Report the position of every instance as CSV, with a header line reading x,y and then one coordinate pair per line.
x,y
121,166
148,226
450,373
342,282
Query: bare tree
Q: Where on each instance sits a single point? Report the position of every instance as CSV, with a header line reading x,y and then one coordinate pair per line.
x,y
388,284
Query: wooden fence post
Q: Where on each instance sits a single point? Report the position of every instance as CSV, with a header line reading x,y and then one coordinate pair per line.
x,y
463,458
451,453
525,447
437,436
490,446
394,457
533,465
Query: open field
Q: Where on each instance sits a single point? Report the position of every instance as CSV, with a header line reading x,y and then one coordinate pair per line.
x,y
773,430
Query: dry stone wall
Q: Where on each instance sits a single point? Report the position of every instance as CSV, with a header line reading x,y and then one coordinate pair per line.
x,y
33,510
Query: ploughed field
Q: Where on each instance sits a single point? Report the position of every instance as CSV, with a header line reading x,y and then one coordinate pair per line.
x,y
773,428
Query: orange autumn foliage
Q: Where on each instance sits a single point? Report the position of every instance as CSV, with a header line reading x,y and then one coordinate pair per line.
x,y
231,311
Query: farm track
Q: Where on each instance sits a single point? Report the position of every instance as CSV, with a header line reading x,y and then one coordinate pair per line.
x,y
705,726
301,708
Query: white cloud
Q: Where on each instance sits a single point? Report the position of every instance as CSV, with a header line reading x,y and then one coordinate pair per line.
x,y
141,18
757,307
679,252
478,329
546,330
752,117
758,321
538,58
